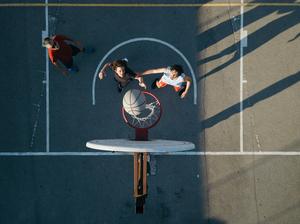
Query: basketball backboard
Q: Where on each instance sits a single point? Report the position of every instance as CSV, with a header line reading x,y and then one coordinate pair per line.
x,y
141,110
126,145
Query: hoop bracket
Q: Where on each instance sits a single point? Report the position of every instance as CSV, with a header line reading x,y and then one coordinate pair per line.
x,y
141,134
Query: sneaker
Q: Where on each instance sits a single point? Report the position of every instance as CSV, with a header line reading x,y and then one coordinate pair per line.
x,y
74,68
125,59
88,50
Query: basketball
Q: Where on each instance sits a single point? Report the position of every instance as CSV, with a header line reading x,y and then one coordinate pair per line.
x,y
134,102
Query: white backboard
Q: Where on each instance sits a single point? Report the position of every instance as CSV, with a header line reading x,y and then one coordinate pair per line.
x,y
126,145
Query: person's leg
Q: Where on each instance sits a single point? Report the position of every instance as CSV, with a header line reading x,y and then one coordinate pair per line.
x,y
68,64
181,90
158,83
71,67
75,50
153,85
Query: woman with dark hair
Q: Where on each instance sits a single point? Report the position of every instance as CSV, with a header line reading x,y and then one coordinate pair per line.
x,y
172,75
122,74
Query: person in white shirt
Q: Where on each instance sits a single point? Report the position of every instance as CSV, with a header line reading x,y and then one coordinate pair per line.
x,y
172,75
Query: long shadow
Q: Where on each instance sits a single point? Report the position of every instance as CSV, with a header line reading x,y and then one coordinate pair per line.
x,y
226,28
215,221
250,101
256,40
280,214
291,40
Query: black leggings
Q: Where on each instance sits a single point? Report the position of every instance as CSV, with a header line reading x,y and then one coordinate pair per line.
x,y
75,50
182,90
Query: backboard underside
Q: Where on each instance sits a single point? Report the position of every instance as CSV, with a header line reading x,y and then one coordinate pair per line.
x,y
126,145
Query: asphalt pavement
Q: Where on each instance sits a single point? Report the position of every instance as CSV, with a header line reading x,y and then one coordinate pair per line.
x,y
187,188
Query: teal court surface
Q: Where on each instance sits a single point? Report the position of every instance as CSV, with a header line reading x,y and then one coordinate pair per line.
x,y
242,113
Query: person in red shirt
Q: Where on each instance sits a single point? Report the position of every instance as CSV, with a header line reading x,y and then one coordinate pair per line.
x,y
61,50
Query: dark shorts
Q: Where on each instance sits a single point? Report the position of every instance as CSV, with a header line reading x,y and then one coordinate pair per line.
x,y
75,51
69,64
182,90
123,83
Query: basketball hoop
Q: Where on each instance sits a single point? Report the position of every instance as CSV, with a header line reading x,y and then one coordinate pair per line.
x,y
145,120
142,117
141,110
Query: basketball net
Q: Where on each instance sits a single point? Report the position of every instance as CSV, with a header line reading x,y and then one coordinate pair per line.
x,y
149,117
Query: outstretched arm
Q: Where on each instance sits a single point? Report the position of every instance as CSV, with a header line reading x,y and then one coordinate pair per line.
x,y
188,81
154,71
102,72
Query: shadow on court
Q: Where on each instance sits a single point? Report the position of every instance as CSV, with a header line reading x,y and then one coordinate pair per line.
x,y
290,18
215,221
252,100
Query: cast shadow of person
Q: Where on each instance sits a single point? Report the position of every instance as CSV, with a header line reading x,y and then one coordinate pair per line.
x,y
255,39
222,30
214,221
252,100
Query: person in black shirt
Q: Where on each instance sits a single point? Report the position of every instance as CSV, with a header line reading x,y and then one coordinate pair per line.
x,y
122,74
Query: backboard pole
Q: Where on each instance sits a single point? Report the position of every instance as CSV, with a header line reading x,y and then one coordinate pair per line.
x,y
140,172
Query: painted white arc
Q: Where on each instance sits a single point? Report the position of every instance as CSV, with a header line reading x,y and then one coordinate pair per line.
x,y
138,40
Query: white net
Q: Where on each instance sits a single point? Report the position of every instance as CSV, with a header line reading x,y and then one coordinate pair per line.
x,y
148,117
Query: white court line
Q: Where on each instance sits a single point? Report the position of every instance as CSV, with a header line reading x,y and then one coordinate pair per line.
x,y
237,153
211,153
47,82
138,40
241,79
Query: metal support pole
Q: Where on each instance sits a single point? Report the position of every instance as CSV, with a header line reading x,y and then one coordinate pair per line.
x,y
140,173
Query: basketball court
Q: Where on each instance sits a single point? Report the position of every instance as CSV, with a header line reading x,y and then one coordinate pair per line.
x,y
241,114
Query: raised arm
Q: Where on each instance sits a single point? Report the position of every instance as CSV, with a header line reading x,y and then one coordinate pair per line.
x,y
188,81
102,72
154,71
